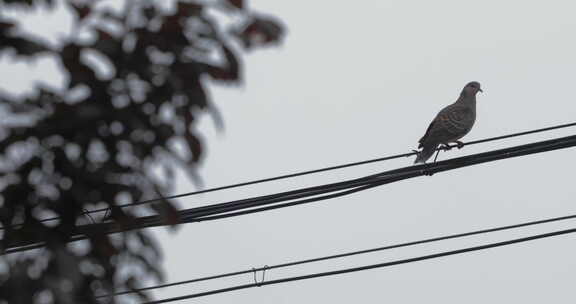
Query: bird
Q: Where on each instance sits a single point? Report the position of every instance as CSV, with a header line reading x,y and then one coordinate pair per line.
x,y
451,124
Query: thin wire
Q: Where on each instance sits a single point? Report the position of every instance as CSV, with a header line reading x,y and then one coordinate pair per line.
x,y
246,206
474,142
372,266
348,254
561,126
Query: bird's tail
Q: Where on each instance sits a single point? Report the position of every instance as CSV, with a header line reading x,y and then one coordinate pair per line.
x,y
425,154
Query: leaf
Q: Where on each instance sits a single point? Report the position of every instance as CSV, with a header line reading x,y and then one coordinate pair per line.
x,y
261,31
167,212
29,3
197,97
102,244
185,9
5,26
195,146
107,45
132,284
149,243
172,37
82,11
166,209
193,142
217,118
112,16
237,3
79,72
23,46
231,70
125,220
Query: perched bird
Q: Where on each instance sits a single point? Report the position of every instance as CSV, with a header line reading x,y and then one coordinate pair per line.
x,y
451,124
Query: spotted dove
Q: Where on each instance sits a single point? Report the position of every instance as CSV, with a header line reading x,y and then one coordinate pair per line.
x,y
451,124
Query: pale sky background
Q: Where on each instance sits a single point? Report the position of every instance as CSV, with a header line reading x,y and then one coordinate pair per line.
x,y
363,79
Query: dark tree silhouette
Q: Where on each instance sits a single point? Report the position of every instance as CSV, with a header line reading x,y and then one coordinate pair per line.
x,y
108,139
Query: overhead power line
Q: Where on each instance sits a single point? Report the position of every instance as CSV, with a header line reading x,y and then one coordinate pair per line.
x,y
228,209
352,253
323,192
369,267
331,168
325,169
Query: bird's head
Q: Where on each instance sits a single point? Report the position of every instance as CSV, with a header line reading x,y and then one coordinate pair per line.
x,y
472,88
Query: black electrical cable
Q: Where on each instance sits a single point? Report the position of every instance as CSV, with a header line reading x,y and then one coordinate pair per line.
x,y
352,253
369,267
405,173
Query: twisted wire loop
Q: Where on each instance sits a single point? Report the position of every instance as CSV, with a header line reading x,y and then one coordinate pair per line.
x,y
255,271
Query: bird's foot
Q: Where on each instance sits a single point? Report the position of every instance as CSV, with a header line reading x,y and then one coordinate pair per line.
x,y
459,144
446,147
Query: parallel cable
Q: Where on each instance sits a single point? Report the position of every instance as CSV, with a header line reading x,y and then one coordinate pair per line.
x,y
311,194
369,267
325,169
348,254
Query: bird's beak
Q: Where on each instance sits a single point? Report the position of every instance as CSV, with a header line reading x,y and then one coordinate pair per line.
x,y
480,90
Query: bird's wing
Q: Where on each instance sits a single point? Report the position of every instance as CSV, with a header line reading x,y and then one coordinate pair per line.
x,y
455,119
449,122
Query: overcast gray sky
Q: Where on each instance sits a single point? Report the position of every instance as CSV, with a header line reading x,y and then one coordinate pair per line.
x,y
362,79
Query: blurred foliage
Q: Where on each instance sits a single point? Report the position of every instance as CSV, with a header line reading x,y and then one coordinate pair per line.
x,y
108,138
